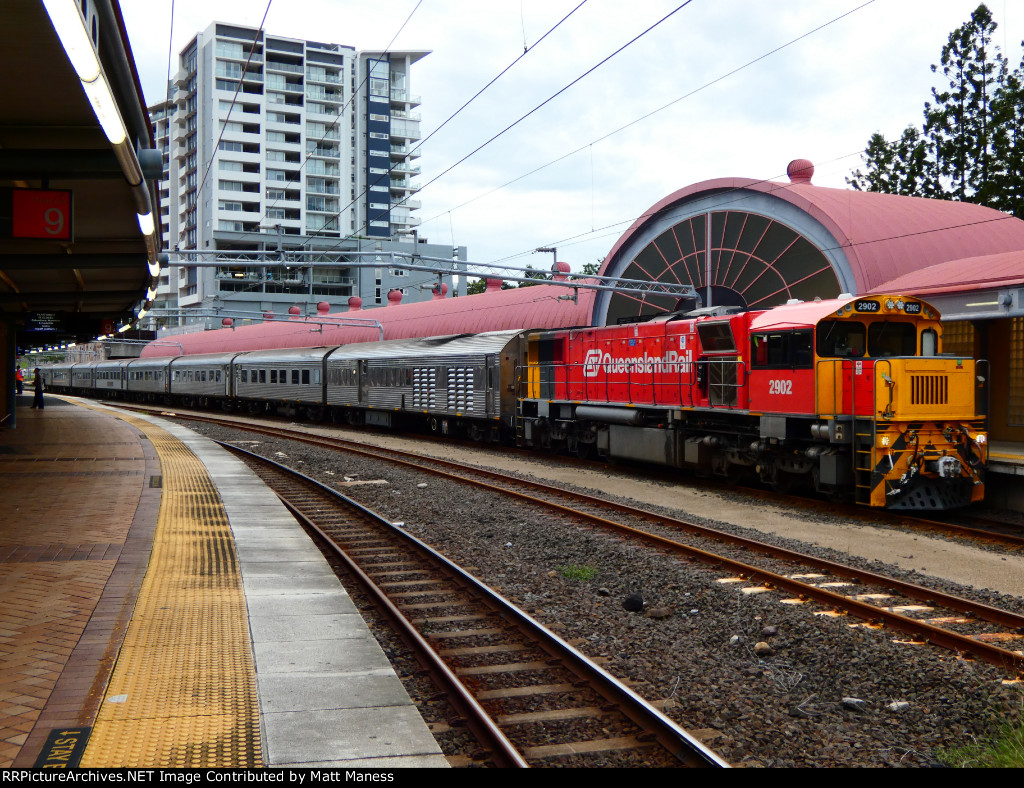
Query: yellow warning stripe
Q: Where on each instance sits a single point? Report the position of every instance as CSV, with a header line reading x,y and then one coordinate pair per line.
x,y
183,691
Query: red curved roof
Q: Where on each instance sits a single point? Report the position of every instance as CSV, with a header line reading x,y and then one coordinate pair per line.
x,y
958,276
539,306
882,235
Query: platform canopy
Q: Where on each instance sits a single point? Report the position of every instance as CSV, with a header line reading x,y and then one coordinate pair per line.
x,y
78,234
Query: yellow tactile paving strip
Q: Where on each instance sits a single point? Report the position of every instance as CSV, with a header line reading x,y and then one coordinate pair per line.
x,y
183,691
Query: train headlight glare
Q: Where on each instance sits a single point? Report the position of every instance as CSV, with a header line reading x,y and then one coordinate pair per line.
x,y
890,304
899,305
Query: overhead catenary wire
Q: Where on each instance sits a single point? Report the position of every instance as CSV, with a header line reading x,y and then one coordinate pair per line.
x,y
334,124
662,108
558,93
234,99
474,97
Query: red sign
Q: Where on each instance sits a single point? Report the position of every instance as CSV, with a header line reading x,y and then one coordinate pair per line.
x,y
41,213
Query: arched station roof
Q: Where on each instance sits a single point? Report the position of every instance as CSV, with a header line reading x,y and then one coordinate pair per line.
x,y
772,241
540,306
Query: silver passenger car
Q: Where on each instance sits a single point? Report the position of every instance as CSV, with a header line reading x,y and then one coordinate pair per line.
x,y
56,377
82,377
449,377
109,376
146,376
199,378
292,375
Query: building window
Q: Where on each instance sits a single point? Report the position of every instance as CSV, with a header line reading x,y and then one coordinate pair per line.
x,y
228,69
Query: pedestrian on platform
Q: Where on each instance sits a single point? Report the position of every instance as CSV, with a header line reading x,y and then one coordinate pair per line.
x,y
19,380
37,382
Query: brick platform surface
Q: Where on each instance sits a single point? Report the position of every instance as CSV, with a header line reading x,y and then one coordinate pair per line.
x,y
77,505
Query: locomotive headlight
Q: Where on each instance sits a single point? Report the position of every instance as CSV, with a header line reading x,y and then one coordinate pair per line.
x,y
899,305
885,440
981,438
890,304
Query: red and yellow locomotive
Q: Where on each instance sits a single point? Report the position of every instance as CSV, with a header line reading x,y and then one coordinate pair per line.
x,y
850,396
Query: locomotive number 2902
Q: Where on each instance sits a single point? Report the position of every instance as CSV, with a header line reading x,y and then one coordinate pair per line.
x,y
780,386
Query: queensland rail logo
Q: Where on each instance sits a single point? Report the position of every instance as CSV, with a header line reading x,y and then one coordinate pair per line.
x,y
596,362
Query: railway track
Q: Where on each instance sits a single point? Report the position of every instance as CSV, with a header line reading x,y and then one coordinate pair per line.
x,y
924,615
974,527
528,697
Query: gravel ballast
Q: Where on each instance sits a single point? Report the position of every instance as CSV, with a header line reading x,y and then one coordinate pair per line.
x,y
764,684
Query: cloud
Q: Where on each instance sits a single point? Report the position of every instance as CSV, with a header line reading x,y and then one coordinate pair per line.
x,y
820,98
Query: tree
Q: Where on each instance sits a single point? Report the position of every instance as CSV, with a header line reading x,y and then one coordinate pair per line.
x,y
967,149
480,285
959,124
533,274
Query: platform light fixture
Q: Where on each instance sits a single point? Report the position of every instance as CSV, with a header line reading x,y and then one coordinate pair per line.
x,y
70,28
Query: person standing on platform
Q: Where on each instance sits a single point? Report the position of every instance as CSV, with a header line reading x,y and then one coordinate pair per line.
x,y
37,382
19,380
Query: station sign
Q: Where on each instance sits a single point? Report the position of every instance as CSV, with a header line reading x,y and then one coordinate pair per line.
x,y
36,214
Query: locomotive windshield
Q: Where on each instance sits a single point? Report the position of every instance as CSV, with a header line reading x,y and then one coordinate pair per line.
x,y
892,339
848,339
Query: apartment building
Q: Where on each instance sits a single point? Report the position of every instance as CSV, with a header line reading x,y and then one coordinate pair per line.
x,y
274,143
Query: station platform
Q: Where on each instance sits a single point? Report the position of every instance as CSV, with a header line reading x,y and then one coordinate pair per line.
x,y
1003,488
162,609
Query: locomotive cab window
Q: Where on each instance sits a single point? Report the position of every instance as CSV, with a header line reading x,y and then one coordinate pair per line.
x,y
782,350
892,338
841,339
716,337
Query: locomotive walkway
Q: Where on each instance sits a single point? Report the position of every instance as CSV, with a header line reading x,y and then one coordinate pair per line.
x,y
161,609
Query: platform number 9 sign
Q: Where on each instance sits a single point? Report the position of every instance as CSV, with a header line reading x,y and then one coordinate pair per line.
x,y
41,213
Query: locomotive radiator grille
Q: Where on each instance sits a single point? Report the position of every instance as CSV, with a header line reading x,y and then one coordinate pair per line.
x,y
929,390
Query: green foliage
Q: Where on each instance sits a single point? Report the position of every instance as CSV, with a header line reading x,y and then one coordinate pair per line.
x,y
531,274
480,285
969,147
1003,751
574,572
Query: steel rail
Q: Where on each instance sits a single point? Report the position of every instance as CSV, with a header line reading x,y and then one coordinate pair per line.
x,y
433,465
673,738
960,644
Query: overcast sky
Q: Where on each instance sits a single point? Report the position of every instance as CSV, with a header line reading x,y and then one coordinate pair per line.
x,y
819,98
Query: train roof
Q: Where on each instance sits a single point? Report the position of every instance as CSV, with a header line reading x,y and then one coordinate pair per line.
x,y
263,356
430,347
540,306
808,313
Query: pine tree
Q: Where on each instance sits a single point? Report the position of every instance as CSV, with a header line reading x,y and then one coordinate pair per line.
x,y
959,124
969,147
1007,175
